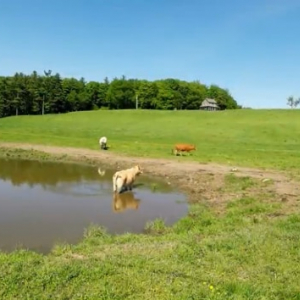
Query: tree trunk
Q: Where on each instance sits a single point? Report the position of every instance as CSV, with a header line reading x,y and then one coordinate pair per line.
x,y
43,106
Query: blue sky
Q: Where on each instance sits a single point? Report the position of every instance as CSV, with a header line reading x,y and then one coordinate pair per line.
x,y
250,47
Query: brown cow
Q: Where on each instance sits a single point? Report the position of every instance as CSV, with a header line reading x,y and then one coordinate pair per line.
x,y
183,148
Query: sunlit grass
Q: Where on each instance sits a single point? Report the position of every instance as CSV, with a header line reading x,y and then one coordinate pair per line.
x,y
247,249
260,138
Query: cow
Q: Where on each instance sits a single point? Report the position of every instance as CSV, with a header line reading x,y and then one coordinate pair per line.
x,y
183,148
103,142
124,179
125,201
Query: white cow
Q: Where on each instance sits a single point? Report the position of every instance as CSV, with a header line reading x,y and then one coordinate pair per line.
x,y
102,142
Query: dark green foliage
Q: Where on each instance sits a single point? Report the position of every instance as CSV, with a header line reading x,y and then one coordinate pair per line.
x,y
48,93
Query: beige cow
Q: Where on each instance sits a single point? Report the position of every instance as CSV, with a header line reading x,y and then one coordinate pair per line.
x,y
124,179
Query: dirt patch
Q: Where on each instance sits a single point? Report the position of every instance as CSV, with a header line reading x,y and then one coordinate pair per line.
x,y
201,181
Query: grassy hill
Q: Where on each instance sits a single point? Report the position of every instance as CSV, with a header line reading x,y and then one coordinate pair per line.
x,y
261,138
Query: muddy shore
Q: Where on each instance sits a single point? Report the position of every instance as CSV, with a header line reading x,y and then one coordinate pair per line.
x,y
202,182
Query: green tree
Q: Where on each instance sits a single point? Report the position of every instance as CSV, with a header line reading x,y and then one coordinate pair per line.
x,y
293,102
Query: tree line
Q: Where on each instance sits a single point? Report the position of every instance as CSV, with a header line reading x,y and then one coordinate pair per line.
x,y
46,93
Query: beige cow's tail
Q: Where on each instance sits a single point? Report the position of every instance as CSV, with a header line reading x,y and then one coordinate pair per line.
x,y
117,183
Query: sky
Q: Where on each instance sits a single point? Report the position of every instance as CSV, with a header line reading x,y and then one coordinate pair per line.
x,y
249,47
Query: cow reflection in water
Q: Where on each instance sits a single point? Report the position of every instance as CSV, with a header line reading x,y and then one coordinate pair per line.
x,y
124,201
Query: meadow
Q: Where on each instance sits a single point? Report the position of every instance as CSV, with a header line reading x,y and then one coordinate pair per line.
x,y
249,250
254,138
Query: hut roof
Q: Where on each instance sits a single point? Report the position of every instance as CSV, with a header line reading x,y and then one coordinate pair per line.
x,y
209,102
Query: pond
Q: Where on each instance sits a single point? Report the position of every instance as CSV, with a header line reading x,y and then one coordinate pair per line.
x,y
43,203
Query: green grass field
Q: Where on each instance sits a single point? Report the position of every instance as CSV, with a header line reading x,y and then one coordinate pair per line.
x,y
260,138
249,251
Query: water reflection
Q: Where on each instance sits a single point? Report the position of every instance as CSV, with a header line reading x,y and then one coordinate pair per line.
x,y
124,201
42,203
45,173
101,172
50,175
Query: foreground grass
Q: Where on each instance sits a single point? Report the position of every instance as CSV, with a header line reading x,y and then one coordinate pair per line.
x,y
260,138
246,252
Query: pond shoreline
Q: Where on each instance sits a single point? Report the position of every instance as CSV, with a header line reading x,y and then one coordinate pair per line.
x,y
200,182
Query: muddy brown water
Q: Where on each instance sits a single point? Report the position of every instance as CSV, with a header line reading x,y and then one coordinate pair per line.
x,y
43,203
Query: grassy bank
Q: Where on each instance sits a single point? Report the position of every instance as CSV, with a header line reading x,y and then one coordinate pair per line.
x,y
249,251
260,138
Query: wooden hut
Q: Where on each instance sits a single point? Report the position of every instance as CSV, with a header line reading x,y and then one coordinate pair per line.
x,y
209,104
